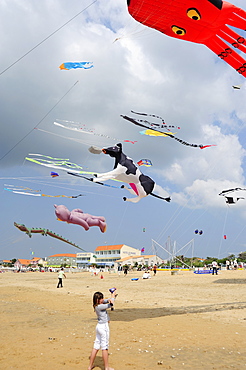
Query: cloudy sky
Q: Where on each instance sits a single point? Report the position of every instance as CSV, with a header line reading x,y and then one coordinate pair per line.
x,y
135,68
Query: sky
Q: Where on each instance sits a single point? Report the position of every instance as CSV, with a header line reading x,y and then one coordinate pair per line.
x,y
135,68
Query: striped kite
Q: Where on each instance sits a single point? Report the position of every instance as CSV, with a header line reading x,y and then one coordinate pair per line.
x,y
36,193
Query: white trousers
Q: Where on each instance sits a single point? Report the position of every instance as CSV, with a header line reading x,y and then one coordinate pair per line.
x,y
102,336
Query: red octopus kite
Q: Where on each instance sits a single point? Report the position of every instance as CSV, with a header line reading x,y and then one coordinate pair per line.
x,y
200,21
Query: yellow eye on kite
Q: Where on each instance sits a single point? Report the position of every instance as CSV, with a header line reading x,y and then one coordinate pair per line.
x,y
178,30
194,14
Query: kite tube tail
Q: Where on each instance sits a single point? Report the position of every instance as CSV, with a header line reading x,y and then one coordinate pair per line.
x,y
84,177
91,179
158,196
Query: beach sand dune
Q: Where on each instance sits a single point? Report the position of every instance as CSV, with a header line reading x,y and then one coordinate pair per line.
x,y
183,321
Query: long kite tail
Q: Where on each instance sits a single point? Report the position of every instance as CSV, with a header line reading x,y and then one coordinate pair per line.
x,y
148,125
162,125
168,199
149,115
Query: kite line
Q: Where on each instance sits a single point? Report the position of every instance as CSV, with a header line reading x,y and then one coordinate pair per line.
x,y
46,38
10,150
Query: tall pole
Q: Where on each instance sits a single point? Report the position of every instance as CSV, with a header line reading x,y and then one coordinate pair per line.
x,y
192,253
169,250
174,251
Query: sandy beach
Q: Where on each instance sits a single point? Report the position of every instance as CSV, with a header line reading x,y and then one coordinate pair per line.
x,y
182,321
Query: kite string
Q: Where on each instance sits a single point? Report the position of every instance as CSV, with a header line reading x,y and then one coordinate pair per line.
x,y
237,236
133,29
12,240
10,150
33,180
226,215
180,223
46,38
64,137
178,211
119,227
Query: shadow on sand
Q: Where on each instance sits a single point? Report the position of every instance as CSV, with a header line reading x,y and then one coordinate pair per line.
x,y
230,281
98,363
153,312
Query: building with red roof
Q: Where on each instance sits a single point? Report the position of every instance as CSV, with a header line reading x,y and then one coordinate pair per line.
x,y
21,264
144,260
5,262
107,255
56,260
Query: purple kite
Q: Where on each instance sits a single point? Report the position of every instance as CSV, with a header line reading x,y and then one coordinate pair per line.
x,y
78,217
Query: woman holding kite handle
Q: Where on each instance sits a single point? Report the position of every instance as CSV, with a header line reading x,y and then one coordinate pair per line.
x,y
100,306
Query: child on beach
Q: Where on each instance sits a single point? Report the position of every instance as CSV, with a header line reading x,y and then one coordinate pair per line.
x,y
61,275
100,306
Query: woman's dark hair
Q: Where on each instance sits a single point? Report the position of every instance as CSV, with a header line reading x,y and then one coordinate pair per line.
x,y
96,298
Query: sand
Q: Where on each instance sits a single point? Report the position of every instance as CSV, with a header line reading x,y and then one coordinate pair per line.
x,y
183,321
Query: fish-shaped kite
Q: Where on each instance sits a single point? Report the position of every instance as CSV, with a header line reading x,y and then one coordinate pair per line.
x,y
75,65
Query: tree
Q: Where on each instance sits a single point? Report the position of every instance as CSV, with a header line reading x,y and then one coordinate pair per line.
x,y
242,256
12,262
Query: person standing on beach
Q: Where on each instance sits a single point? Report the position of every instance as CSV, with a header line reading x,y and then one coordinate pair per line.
x,y
215,268
119,269
100,306
61,275
125,268
228,265
154,269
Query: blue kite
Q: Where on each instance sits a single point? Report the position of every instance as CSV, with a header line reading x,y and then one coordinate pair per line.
x,y
75,65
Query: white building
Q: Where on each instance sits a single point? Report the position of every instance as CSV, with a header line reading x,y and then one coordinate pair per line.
x,y
57,260
148,260
85,259
107,255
